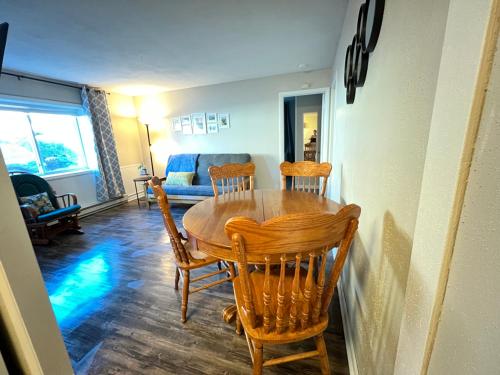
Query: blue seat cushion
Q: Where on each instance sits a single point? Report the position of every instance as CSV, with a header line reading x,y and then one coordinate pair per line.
x,y
195,190
207,160
59,213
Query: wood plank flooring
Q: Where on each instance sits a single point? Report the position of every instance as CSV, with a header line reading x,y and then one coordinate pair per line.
x,y
112,293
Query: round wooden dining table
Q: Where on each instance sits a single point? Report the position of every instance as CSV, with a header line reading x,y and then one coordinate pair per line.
x,y
205,221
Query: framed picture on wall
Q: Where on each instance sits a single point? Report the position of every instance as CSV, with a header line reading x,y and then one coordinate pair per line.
x,y
211,118
198,122
186,124
223,120
212,128
185,120
176,124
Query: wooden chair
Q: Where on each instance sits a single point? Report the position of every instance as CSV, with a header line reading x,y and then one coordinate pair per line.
x,y
232,177
288,303
187,258
306,176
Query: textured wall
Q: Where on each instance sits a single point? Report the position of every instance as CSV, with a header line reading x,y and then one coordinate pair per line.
x,y
378,155
442,182
467,339
253,109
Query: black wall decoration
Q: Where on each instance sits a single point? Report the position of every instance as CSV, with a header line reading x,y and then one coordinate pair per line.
x,y
357,54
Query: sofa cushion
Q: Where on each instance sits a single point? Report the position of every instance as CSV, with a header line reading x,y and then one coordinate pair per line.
x,y
59,213
207,160
38,204
180,178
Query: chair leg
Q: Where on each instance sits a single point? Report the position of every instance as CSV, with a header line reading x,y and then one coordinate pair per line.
x,y
258,358
185,294
177,275
323,355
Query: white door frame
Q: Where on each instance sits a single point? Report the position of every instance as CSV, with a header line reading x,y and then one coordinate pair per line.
x,y
325,120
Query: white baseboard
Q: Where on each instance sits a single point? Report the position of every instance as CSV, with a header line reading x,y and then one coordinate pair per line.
x,y
132,196
348,332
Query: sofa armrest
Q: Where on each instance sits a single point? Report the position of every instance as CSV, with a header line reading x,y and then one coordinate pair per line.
x,y
68,199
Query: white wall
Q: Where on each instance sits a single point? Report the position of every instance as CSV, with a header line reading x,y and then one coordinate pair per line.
x,y
379,146
253,108
448,157
467,340
126,130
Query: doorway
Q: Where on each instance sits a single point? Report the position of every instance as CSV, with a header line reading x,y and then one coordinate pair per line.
x,y
304,125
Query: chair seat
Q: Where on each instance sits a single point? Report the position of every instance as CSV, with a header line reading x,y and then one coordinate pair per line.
x,y
198,258
59,213
256,280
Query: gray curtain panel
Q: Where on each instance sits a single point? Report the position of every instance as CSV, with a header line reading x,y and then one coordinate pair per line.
x,y
109,177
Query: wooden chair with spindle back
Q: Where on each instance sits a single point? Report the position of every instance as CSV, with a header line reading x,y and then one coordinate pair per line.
x,y
288,303
306,176
187,258
232,177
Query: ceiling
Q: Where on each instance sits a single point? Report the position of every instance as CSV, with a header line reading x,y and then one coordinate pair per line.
x,y
138,47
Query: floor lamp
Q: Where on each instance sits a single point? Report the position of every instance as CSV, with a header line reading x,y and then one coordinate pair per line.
x,y
150,154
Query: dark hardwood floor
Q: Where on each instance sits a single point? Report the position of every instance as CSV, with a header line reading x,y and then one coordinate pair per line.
x,y
112,294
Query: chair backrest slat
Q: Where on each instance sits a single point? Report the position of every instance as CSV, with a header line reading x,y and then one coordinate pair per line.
x,y
286,242
238,249
299,171
306,308
267,295
280,312
231,177
295,294
320,285
180,253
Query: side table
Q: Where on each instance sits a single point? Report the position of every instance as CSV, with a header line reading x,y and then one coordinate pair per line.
x,y
142,179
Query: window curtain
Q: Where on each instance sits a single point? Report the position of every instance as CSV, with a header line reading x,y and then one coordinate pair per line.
x,y
109,182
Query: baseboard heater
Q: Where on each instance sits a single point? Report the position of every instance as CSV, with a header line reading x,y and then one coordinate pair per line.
x,y
99,207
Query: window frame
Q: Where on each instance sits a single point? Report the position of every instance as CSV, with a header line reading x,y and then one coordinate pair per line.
x,y
27,107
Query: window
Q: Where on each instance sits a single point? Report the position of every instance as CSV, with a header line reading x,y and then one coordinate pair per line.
x,y
45,143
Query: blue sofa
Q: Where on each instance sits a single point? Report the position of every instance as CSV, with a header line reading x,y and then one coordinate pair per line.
x,y
202,185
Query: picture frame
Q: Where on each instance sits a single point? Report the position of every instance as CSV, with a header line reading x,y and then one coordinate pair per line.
x,y
199,123
212,127
186,124
185,120
211,118
176,124
223,120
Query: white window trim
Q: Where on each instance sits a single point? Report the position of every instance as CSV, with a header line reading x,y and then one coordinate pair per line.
x,y
62,176
33,105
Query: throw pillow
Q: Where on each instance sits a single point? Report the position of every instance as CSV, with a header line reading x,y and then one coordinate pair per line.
x,y
180,178
39,203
